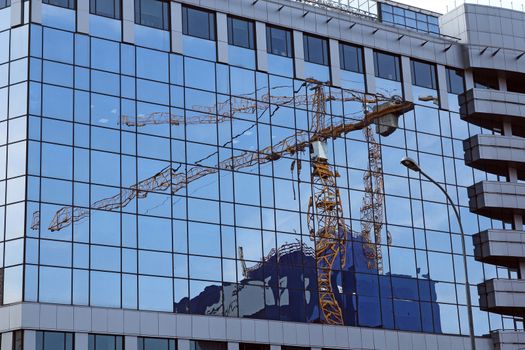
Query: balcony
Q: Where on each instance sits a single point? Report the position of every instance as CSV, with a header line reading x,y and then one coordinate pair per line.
x,y
502,296
489,108
495,154
497,200
500,247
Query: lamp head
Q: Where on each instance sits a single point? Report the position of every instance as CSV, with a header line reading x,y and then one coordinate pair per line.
x,y
410,164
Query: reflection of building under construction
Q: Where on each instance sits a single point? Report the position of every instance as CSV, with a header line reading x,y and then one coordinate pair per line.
x,y
283,287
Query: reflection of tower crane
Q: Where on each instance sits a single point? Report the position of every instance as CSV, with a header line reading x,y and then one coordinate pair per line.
x,y
325,214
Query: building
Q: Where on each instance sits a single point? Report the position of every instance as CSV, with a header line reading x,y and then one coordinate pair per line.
x,y
197,175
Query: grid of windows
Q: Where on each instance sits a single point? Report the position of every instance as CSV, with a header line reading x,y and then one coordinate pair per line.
x,y
406,18
115,132
351,58
241,33
153,13
279,41
315,50
387,66
424,74
106,8
69,4
198,23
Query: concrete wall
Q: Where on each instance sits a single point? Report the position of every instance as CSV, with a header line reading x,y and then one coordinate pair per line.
x,y
82,320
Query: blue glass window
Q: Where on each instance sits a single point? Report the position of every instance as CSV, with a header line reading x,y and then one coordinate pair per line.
x,y
198,23
5,3
387,66
68,4
104,342
315,49
241,33
54,340
106,8
424,74
351,58
152,13
279,41
455,81
156,344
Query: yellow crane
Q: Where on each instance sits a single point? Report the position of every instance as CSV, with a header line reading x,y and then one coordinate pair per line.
x,y
325,215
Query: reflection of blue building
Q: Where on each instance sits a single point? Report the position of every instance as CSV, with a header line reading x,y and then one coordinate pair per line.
x,y
287,277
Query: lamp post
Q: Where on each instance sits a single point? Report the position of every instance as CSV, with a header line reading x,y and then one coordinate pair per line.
x,y
412,165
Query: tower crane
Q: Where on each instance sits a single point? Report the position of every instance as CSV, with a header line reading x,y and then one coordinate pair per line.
x,y
325,210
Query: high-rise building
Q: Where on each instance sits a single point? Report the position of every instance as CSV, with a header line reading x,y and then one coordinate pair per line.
x,y
226,175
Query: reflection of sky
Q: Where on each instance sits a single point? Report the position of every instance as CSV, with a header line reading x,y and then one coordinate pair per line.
x,y
426,211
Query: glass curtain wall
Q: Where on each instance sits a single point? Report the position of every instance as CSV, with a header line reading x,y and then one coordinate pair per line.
x,y
141,193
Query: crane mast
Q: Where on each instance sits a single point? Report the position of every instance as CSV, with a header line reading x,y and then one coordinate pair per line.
x,y
326,224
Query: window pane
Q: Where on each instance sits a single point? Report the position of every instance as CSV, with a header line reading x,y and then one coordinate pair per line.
x,y
455,82
152,13
107,8
387,66
351,58
198,23
240,33
424,74
279,41
62,3
315,50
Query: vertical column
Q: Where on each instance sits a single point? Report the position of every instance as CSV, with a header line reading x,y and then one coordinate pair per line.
x,y
83,16
29,340
407,78
17,17
222,37
183,344
176,27
442,86
335,64
36,11
370,71
7,340
275,347
298,54
469,80
81,341
130,343
260,44
128,21
502,80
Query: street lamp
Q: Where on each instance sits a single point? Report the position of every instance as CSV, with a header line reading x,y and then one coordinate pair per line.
x,y
412,165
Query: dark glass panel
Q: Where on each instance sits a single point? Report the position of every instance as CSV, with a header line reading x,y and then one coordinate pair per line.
x,y
106,8
351,58
69,4
198,23
279,41
387,66
241,33
424,74
315,49
455,81
207,345
152,13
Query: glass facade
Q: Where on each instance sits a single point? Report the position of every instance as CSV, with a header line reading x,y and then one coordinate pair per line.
x,y
406,18
132,178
